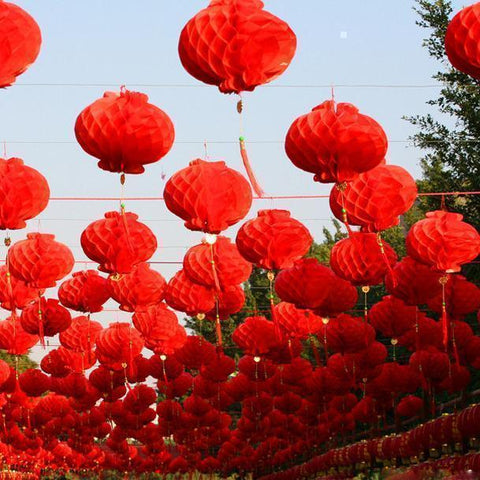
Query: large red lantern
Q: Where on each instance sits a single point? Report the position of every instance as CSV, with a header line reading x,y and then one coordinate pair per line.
x,y
124,132
209,196
40,261
229,301
462,40
346,334
13,338
23,190
443,241
139,288
45,317
251,48
15,293
256,336
216,265
86,291
81,335
342,296
362,259
273,240
20,40
336,142
118,242
297,322
375,199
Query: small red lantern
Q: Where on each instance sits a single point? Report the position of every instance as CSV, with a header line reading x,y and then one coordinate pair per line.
x,y
229,302
45,317
14,339
336,142
124,132
118,242
14,293
40,261
443,241
297,322
209,196
81,335
273,240
256,336
252,47
20,40
86,291
362,259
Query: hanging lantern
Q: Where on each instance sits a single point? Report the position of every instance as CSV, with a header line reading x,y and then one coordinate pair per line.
x,y
361,259
341,297
45,317
375,199
461,40
15,293
139,288
81,335
336,142
209,196
228,302
86,291
40,261
443,241
13,338
20,38
118,242
253,47
273,240
124,132
298,323
216,265
256,336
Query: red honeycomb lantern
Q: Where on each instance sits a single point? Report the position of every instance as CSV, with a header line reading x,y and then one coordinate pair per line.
x,y
139,288
346,334
13,338
15,293
216,265
81,335
256,336
296,322
118,242
124,132
251,48
40,261
361,260
336,142
86,291
443,241
462,40
375,199
274,240
45,317
209,196
20,40
342,296
230,301
23,190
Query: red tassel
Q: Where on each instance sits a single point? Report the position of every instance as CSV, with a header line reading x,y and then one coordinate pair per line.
x,y
218,328
214,269
443,281
251,176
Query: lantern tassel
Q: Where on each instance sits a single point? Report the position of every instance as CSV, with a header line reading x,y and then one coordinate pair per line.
x,y
218,329
443,281
214,269
251,175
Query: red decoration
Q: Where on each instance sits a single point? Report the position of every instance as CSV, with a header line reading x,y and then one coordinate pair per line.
x,y
342,296
375,199
209,196
86,291
20,38
24,192
297,323
139,288
118,242
461,41
443,241
335,142
45,318
14,293
33,382
124,132
409,406
81,335
360,260
273,240
40,261
13,338
256,336
346,334
252,47
216,265
230,301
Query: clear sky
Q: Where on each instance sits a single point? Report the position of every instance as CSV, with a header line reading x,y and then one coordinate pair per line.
x,y
91,46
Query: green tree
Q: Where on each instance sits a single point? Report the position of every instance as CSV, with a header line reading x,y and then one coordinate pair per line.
x,y
23,362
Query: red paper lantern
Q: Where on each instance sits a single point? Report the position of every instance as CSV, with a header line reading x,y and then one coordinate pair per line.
x,y
160,328
256,336
118,242
81,335
251,48
185,296
124,132
409,406
40,261
375,199
359,259
461,41
20,38
23,190
431,363
209,196
346,334
139,288
342,296
443,241
216,265
14,293
86,291
229,302
336,142
297,323
273,240
13,338
45,317
33,382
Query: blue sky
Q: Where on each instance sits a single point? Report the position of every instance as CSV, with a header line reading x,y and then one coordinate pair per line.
x,y
101,42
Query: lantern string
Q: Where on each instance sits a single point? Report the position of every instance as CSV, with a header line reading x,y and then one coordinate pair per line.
x,y
443,281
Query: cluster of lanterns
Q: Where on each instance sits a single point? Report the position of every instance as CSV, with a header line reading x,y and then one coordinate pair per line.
x,y
98,402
